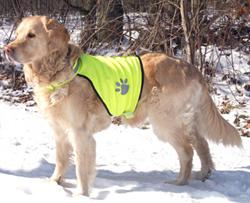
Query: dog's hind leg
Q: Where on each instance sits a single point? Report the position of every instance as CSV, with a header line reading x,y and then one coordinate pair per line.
x,y
185,154
202,149
183,148
63,149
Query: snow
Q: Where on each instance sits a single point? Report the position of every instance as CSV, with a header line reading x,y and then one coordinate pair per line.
x,y
132,165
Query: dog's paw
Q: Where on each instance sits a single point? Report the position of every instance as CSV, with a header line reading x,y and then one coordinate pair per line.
x,y
80,193
50,181
202,175
56,180
177,182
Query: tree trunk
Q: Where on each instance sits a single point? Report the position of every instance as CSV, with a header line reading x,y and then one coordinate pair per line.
x,y
109,20
191,21
89,27
185,23
17,8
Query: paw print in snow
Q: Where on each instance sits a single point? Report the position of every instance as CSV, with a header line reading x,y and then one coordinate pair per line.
x,y
122,86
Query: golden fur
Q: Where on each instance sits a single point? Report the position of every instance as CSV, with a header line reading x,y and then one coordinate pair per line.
x,y
175,99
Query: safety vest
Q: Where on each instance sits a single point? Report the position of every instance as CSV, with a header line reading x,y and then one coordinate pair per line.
x,y
117,81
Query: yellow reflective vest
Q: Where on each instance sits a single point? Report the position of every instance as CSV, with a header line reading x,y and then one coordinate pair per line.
x,y
117,81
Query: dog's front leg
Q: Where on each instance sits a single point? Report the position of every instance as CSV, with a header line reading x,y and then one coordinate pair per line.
x,y
63,149
84,147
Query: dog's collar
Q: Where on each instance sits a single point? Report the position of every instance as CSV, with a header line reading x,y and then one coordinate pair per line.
x,y
52,87
76,66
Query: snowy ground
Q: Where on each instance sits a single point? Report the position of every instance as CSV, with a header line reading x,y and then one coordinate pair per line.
x,y
132,165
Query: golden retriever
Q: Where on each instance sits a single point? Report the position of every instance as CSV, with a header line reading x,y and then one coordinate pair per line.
x,y
174,98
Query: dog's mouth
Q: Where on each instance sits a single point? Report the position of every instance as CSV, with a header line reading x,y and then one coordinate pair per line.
x,y
10,58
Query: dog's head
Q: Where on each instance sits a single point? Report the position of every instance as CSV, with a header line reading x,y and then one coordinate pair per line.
x,y
36,37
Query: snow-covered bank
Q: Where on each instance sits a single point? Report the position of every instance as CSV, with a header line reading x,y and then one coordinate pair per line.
x,y
132,165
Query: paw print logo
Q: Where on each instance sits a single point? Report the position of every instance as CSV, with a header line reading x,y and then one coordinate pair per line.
x,y
122,86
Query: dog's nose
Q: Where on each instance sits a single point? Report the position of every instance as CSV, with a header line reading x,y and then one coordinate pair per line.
x,y
8,50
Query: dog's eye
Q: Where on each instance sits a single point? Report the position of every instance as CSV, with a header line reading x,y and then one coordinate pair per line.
x,y
31,35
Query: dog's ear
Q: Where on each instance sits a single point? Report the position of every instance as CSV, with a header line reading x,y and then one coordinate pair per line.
x,y
58,34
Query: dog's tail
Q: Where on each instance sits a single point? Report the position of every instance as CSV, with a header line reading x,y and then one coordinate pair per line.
x,y
213,126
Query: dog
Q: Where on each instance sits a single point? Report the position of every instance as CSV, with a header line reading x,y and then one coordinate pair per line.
x,y
174,98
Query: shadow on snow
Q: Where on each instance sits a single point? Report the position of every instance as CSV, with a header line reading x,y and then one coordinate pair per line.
x,y
229,184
